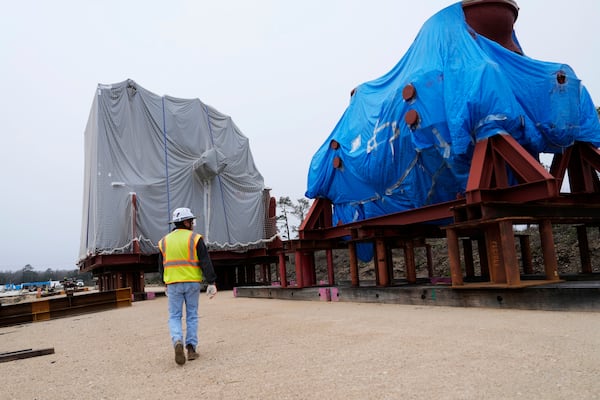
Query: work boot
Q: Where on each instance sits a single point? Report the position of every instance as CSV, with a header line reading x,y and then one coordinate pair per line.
x,y
192,355
179,355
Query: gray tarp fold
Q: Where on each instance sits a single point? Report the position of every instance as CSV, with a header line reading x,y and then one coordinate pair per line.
x,y
165,153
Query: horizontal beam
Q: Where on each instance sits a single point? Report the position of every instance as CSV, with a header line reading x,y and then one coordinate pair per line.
x,y
104,260
43,310
555,212
423,215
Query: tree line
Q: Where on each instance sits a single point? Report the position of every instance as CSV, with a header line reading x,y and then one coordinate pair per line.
x,y
29,274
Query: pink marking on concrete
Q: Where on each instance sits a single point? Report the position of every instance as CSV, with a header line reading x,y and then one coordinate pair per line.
x,y
335,294
324,294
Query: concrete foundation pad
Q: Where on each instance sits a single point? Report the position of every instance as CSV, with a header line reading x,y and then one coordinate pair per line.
x,y
563,296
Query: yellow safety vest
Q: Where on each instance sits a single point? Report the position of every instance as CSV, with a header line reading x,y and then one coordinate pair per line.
x,y
180,261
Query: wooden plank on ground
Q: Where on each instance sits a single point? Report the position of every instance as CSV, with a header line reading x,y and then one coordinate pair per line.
x,y
42,310
27,353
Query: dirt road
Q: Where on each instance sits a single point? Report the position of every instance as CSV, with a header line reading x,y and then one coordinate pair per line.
x,y
278,349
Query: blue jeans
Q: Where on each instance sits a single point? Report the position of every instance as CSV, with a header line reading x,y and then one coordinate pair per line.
x,y
180,293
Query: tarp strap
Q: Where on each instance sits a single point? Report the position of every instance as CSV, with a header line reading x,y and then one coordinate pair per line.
x,y
166,163
389,191
212,142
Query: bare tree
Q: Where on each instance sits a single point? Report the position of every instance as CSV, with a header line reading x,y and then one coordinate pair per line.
x,y
300,210
286,207
28,274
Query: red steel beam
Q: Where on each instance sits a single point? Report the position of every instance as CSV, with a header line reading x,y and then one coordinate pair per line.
x,y
353,264
548,250
488,179
454,257
422,215
381,263
523,164
106,260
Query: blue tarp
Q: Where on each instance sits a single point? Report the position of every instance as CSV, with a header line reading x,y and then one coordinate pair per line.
x,y
468,88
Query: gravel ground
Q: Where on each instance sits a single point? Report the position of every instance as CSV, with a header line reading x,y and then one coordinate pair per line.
x,y
282,349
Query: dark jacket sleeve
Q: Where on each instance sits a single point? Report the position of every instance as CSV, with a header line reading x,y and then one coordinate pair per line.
x,y
205,262
161,267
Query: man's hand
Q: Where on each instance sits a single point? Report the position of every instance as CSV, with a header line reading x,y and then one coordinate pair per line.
x,y
211,291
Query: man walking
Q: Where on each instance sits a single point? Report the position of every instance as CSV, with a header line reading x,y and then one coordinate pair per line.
x,y
185,263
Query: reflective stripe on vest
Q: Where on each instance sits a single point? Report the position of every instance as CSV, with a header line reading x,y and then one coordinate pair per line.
x,y
180,261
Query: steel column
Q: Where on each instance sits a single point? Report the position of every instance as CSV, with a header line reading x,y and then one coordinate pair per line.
x,y
584,249
389,259
502,256
409,261
330,267
547,243
526,256
454,257
299,269
353,264
305,269
282,271
509,253
265,273
250,272
383,278
311,270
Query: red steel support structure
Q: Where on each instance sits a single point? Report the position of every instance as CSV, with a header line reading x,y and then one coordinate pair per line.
x,y
118,271
121,270
487,214
492,208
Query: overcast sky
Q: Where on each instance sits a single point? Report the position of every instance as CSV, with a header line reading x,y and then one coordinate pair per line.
x,y
283,73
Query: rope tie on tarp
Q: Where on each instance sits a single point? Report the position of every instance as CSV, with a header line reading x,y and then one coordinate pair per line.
x,y
166,162
241,246
212,141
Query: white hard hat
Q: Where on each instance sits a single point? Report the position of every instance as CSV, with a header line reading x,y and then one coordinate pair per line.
x,y
182,214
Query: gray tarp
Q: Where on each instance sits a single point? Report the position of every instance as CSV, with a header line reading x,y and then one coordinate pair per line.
x,y
171,153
